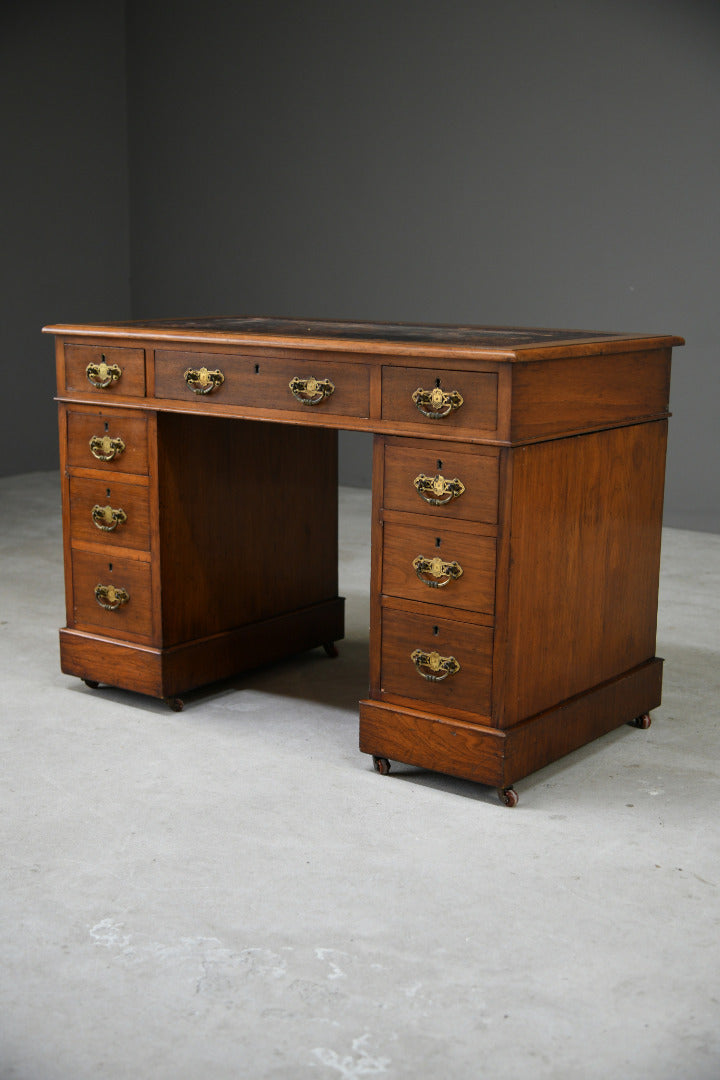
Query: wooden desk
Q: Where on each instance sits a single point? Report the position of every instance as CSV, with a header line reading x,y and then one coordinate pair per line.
x,y
517,504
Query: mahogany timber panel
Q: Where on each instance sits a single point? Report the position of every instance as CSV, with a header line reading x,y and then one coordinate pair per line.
x,y
125,664
132,428
263,382
133,619
247,521
551,397
132,499
479,389
432,742
468,689
130,361
478,472
473,591
585,558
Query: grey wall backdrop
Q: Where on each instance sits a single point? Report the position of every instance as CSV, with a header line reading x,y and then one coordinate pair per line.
x,y
537,163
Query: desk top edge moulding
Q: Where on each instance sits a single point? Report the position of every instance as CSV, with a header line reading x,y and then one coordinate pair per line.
x,y
518,479
518,343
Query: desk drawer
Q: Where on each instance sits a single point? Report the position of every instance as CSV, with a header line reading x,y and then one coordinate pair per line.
x,y
130,579
441,399
264,383
453,569
438,662
104,510
105,370
119,441
469,491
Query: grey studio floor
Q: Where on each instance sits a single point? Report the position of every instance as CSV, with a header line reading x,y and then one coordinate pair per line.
x,y
232,891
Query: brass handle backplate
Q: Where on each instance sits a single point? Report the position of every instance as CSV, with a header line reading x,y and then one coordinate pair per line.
x,y
103,374
110,597
436,490
106,518
311,391
104,448
437,569
437,403
434,667
202,381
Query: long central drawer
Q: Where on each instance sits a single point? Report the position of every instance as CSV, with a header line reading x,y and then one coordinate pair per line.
x,y
322,387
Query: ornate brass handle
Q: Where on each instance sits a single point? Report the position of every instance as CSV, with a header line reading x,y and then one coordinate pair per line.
x,y
107,519
102,375
437,403
434,667
451,571
311,391
436,490
111,598
104,448
202,381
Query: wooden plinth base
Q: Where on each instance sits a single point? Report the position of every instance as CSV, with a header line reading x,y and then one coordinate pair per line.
x,y
165,673
501,757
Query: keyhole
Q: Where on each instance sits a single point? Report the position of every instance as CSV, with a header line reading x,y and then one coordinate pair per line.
x,y
102,357
107,425
437,383
107,493
439,464
436,630
257,369
437,538
110,567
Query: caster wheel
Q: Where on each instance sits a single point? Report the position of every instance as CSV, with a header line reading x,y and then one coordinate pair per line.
x,y
330,649
642,722
175,703
91,683
382,765
508,796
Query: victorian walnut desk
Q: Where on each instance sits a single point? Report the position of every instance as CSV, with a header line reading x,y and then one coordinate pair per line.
x,y
517,504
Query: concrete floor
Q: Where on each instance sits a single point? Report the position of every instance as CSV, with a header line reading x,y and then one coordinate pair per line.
x,y
231,891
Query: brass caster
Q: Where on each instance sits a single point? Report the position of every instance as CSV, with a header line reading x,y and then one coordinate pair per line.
x,y
175,703
642,722
91,683
382,765
330,649
508,796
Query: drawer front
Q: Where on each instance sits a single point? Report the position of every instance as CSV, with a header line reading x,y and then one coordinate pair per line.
x,y
441,399
107,511
105,370
132,617
437,566
119,441
476,473
414,645
264,383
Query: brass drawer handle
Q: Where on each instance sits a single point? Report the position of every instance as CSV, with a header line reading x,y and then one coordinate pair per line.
x,y
434,667
106,518
311,391
103,374
451,571
436,490
437,403
202,381
111,598
104,448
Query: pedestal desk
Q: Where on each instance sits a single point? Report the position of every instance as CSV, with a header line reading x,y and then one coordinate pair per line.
x,y
517,503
